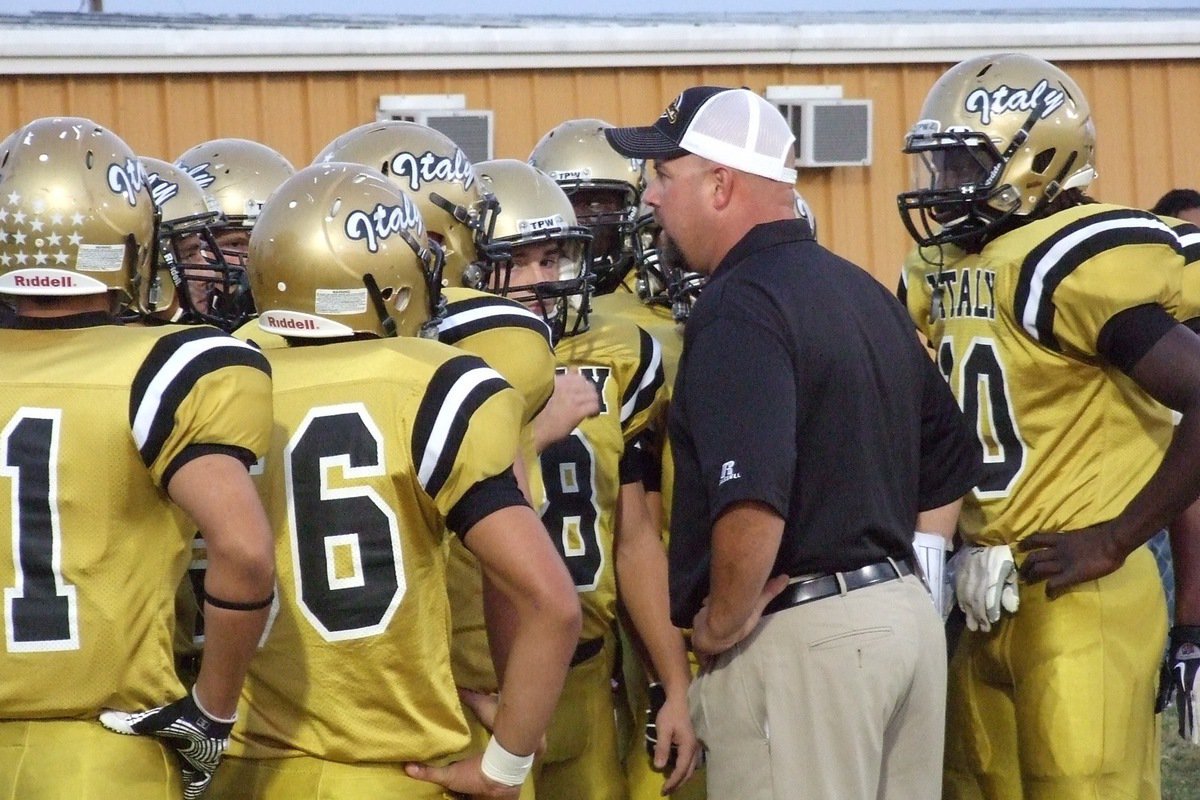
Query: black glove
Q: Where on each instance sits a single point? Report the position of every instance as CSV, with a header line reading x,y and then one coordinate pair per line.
x,y
658,697
1181,678
198,739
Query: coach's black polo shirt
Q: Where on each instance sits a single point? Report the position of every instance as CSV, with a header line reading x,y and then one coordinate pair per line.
x,y
803,385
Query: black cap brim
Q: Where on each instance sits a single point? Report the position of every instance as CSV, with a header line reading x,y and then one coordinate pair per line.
x,y
646,142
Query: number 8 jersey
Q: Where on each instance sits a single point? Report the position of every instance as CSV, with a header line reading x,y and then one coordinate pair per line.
x,y
378,447
576,481
1068,438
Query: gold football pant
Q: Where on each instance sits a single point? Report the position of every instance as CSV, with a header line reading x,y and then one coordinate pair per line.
x,y
581,761
81,760
645,782
1057,702
306,778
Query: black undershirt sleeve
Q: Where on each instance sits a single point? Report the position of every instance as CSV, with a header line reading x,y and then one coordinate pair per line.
x,y
1131,333
489,495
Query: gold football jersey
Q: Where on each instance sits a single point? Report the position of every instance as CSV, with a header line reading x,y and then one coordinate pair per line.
x,y
251,332
511,339
575,481
1068,439
1189,239
516,343
375,442
92,421
659,323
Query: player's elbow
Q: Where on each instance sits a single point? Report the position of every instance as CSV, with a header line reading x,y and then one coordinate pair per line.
x,y
245,558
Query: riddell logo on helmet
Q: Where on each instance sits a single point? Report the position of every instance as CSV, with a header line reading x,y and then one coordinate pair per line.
x,y
995,102
43,282
429,167
289,323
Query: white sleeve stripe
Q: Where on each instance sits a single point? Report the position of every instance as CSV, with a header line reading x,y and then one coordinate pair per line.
x,y
472,315
454,399
648,378
1029,314
148,408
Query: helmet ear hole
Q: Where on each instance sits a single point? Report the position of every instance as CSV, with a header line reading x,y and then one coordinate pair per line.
x,y
402,297
1042,161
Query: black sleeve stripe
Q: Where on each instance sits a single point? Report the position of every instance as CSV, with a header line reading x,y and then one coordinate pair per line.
x,y
1189,239
1049,264
466,318
642,390
457,390
902,287
168,374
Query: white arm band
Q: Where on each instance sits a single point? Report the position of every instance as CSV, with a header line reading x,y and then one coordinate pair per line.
x,y
504,767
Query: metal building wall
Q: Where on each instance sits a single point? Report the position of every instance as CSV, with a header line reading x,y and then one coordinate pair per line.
x,y
1146,112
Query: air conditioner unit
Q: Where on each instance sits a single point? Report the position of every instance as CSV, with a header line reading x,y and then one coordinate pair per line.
x,y
470,129
830,133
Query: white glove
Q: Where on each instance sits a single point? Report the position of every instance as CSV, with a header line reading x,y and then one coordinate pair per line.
x,y
1181,679
930,549
985,582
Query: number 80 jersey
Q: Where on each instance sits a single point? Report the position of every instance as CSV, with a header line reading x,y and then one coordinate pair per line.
x,y
1068,438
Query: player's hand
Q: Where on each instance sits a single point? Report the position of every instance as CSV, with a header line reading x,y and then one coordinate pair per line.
x,y
575,399
1181,678
464,777
1070,558
670,739
985,584
197,738
485,706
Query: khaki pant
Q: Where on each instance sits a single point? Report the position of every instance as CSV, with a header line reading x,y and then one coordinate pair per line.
x,y
838,698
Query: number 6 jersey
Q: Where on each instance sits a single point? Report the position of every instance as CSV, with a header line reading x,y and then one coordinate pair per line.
x,y
1068,438
378,447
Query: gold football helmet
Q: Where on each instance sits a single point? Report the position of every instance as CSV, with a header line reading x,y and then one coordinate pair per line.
x,y
998,139
605,188
76,216
190,280
437,174
238,173
339,251
534,211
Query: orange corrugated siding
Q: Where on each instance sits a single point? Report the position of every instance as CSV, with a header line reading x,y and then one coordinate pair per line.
x,y
1146,114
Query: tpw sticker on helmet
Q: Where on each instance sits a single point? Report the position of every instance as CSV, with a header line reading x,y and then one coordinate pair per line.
x,y
926,127
988,103
540,224
429,167
128,179
383,222
584,174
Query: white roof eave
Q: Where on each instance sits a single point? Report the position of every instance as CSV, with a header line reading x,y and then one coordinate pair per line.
x,y
114,50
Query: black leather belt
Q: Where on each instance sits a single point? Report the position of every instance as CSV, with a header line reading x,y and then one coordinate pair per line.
x,y
586,649
822,586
